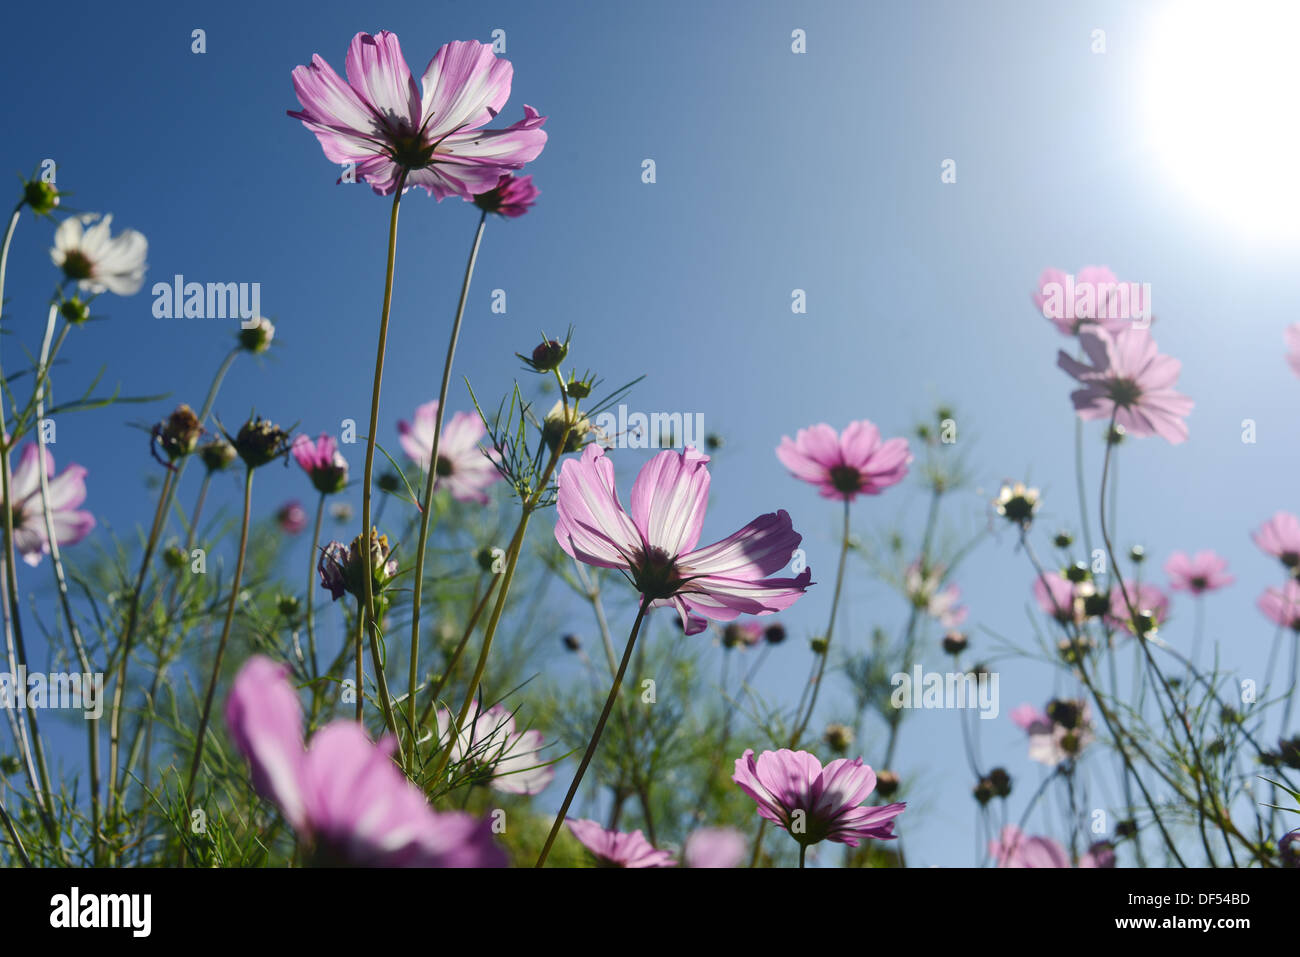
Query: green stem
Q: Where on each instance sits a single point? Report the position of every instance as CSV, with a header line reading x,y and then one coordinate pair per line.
x,y
595,736
431,475
311,590
368,615
225,636
802,726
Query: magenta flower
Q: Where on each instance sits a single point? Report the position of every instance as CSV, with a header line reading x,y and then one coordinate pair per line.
x,y
1292,335
1203,572
1149,602
464,468
512,196
1059,597
742,634
1130,379
714,847
655,545
343,795
66,492
855,462
291,517
322,461
1280,537
813,803
1090,297
616,849
1057,734
380,121
1282,605
507,760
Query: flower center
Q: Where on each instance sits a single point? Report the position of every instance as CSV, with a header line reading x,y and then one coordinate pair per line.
x,y
77,266
656,574
1290,559
1199,583
846,478
443,467
411,151
1124,392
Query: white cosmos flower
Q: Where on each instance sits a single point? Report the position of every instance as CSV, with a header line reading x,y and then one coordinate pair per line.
x,y
87,252
500,756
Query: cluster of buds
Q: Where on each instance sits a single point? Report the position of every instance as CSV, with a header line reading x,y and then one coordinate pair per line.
x,y
342,568
260,442
177,435
997,783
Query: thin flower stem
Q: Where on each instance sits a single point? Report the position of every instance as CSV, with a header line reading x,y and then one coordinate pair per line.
x,y
311,589
802,725
1220,815
225,636
13,836
358,633
803,852
368,615
595,736
61,581
432,473
459,650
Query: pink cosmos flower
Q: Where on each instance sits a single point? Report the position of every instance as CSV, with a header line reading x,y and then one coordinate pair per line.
x,y
322,461
855,462
1148,601
940,603
1059,733
616,849
512,196
464,467
742,634
1016,849
1093,296
1203,572
1059,597
291,517
343,794
655,545
1280,537
380,121
66,492
1282,605
1292,335
785,783
1130,379
714,847
501,757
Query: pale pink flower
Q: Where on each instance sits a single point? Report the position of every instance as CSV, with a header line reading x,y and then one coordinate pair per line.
x,y
714,847
1093,296
813,803
343,795
928,593
464,467
1205,571
1059,597
1292,336
616,849
1148,601
1016,849
1280,537
1282,605
855,462
291,517
1059,733
380,120
656,544
66,492
1130,379
507,760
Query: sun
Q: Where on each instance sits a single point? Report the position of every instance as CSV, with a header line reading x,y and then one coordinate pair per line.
x,y
1222,90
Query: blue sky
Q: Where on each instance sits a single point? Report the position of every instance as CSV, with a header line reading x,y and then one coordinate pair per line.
x,y
775,172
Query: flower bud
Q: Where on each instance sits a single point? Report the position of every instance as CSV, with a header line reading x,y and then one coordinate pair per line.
x,y
1000,781
40,196
548,355
260,442
774,633
954,643
1137,554
554,427
217,455
257,337
983,791
173,557
1063,540
178,435
572,643
819,646
887,783
287,605
74,310
1288,849
838,738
